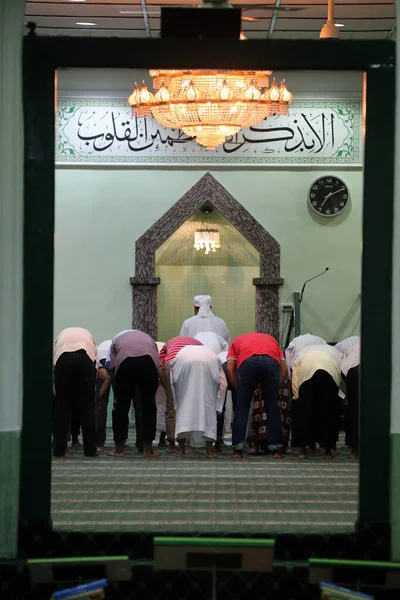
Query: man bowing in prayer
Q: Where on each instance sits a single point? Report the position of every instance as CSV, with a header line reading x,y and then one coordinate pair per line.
x,y
75,366
134,358
196,385
256,359
315,386
168,355
205,320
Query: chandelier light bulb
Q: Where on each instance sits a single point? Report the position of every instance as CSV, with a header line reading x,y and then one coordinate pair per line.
x,y
224,93
133,98
273,92
144,95
162,95
285,95
252,93
192,94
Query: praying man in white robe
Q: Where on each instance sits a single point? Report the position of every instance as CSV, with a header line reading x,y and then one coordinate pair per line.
x,y
213,341
196,381
205,320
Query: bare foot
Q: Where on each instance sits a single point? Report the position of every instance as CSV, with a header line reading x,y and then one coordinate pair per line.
x,y
150,453
303,455
237,454
218,447
117,454
192,450
100,450
180,453
171,447
211,454
277,454
328,455
76,444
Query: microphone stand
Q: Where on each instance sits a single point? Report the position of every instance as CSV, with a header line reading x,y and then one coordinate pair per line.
x,y
292,314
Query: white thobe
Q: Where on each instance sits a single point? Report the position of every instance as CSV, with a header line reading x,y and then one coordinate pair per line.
x,y
191,327
351,360
195,381
346,346
298,344
212,340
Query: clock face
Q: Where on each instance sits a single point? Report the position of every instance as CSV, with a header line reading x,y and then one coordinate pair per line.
x,y
328,196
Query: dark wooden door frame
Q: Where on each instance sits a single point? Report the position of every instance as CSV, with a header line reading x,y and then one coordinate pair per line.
x,y
41,57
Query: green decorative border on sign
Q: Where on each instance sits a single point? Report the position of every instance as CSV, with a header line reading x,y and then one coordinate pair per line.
x,y
348,154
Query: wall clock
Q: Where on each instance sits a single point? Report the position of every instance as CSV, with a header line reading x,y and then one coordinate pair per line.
x,y
328,196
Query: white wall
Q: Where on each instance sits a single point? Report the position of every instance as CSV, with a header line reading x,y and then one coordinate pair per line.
x,y
101,211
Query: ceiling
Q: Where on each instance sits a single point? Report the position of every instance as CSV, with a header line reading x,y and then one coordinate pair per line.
x,y
295,19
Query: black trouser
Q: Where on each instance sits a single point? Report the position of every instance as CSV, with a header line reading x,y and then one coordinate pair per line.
x,y
352,391
137,371
318,410
74,381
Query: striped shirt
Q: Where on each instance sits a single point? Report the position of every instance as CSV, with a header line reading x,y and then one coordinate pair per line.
x,y
169,351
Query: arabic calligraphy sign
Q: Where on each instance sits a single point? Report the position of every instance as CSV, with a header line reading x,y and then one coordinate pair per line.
x,y
314,132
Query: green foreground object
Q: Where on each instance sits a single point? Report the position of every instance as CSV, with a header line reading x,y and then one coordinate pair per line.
x,y
332,562
225,542
76,559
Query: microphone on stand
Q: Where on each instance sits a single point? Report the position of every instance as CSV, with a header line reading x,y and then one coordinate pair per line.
x,y
308,280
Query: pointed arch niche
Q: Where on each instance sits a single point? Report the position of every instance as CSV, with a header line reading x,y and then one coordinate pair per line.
x,y
207,189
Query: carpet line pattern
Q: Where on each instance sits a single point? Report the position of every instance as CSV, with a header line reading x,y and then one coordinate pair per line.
x,y
193,495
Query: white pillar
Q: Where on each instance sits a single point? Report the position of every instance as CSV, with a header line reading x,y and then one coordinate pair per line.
x,y
11,247
395,416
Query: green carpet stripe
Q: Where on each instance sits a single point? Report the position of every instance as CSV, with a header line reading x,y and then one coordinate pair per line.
x,y
80,559
331,562
180,541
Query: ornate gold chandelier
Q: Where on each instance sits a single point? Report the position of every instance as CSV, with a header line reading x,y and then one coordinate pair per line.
x,y
210,105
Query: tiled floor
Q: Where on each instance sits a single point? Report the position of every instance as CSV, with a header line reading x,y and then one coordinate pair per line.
x,y
253,495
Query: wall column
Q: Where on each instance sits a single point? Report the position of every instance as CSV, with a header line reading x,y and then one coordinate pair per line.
x,y
144,304
267,305
395,397
11,244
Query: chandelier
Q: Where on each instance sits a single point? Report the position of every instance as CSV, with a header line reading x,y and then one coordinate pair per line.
x,y
210,105
207,238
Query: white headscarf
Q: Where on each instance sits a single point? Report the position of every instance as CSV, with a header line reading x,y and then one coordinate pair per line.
x,y
205,312
197,300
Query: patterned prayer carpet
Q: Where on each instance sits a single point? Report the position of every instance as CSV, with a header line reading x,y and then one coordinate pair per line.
x,y
170,495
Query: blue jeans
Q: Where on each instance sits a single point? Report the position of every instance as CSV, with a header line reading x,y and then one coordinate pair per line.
x,y
263,370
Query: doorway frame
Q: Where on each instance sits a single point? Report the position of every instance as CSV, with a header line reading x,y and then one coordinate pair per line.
x,y
41,57
206,189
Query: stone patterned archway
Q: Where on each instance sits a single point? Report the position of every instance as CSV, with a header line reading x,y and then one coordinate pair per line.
x,y
144,284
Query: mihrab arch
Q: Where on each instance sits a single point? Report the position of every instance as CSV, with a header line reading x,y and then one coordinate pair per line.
x,y
144,284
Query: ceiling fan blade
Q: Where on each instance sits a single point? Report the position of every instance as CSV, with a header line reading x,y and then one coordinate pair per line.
x,y
245,7
252,19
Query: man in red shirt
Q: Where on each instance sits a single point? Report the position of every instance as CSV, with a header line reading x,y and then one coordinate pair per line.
x,y
167,355
253,359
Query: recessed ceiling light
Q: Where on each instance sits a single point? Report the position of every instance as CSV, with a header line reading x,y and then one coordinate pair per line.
x,y
340,25
77,0
88,24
